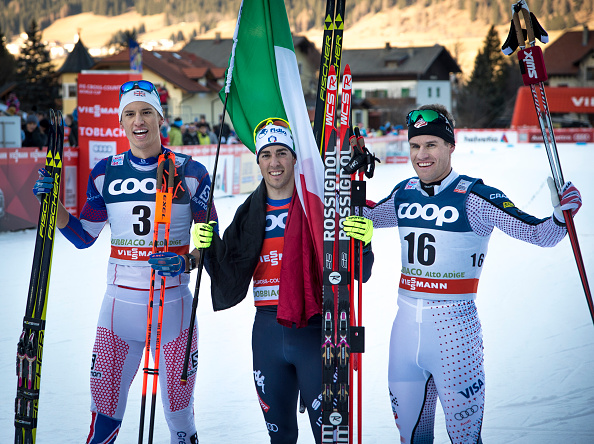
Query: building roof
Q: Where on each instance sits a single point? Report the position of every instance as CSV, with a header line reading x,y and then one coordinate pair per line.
x,y
180,68
563,56
218,50
389,63
78,60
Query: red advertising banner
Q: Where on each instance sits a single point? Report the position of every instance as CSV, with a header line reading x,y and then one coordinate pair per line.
x,y
19,208
560,100
99,132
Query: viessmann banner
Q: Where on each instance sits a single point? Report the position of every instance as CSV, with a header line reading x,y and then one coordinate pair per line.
x,y
560,100
99,130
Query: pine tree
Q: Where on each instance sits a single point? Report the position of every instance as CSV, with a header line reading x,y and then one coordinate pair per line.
x,y
7,62
37,86
484,97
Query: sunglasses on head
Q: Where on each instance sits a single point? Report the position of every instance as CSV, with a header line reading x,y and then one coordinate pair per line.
x,y
277,121
428,116
144,85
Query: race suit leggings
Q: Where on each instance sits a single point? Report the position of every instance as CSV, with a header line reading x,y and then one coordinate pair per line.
x,y
287,361
118,352
436,350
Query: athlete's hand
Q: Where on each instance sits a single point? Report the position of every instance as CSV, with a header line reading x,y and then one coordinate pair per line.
x,y
359,228
43,185
167,263
570,199
202,234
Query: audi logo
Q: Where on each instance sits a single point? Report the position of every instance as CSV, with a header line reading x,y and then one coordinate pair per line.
x,y
466,413
272,427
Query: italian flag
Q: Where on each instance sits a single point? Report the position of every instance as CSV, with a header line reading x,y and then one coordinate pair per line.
x,y
263,81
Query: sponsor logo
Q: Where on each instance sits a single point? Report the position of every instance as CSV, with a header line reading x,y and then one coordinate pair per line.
x,y
97,110
508,205
420,123
334,278
276,221
472,389
335,418
466,413
274,258
259,378
412,184
494,196
428,212
272,427
462,186
132,185
117,160
530,65
264,406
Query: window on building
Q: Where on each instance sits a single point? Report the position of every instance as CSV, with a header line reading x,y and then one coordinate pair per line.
x,y
429,92
589,74
437,92
358,94
377,93
405,92
69,90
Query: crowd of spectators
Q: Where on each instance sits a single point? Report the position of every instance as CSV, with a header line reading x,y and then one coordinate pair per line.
x,y
196,132
35,124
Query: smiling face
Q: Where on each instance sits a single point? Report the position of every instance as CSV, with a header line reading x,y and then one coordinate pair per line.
x,y
141,123
277,163
431,157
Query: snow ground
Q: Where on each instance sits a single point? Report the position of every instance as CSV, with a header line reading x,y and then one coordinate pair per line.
x,y
538,335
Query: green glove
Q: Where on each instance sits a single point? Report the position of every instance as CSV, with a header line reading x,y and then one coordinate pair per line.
x,y
202,234
359,228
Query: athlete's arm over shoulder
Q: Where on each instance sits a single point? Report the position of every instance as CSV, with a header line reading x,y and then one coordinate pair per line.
x,y
488,207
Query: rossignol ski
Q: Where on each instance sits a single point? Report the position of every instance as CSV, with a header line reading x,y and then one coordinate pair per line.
x,y
163,203
30,345
336,348
331,56
534,73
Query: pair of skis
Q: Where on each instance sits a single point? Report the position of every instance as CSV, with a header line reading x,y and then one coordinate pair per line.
x,y
340,336
331,56
534,74
30,345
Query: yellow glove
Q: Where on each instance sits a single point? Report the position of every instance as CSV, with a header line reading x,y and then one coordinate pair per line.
x,y
202,234
359,228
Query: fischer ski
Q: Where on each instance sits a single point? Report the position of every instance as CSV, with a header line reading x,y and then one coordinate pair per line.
x,y
331,56
534,73
30,345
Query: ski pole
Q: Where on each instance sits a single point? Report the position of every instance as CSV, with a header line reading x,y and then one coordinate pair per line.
x,y
200,266
163,202
534,73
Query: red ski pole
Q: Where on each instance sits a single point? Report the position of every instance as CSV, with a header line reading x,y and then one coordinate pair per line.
x,y
534,73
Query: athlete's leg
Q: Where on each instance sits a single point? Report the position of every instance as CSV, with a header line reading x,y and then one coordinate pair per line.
x,y
412,390
303,350
275,379
457,366
116,356
178,399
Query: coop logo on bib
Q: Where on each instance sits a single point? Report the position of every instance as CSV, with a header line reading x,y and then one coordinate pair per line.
x,y
132,185
428,212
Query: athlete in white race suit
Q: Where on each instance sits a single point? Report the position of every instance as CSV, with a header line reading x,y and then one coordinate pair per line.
x,y
121,191
445,221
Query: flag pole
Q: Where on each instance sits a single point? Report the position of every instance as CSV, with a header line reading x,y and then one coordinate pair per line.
x,y
200,267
